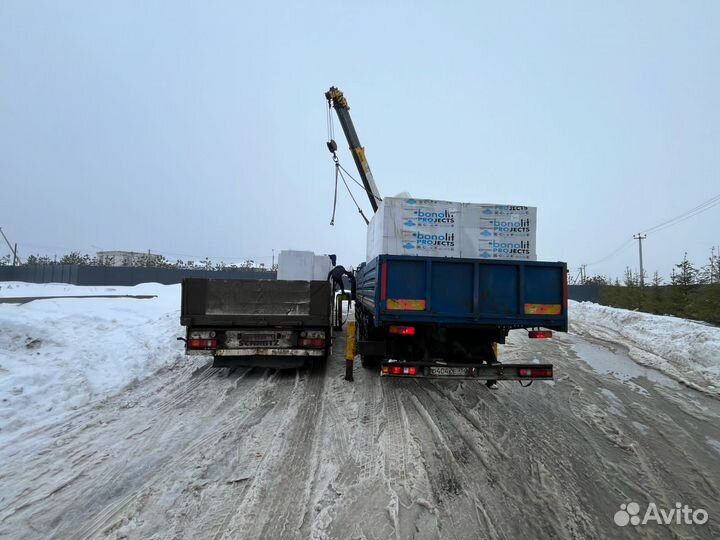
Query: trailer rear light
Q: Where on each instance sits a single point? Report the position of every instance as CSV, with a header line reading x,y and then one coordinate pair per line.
x,y
535,372
540,334
399,370
311,343
402,330
202,344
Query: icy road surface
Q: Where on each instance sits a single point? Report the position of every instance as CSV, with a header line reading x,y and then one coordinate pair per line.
x,y
197,452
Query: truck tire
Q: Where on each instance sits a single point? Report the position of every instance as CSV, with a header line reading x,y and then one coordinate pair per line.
x,y
366,333
370,362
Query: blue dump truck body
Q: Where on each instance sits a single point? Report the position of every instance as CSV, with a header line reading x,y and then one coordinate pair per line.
x,y
435,311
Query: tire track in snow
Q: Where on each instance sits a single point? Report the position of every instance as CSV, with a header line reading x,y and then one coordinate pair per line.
x,y
276,501
457,508
268,392
119,460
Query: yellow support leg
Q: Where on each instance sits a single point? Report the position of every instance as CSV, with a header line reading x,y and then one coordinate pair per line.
x,y
350,350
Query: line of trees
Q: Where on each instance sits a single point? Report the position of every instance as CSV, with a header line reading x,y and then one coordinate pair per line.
x,y
693,291
685,274
150,260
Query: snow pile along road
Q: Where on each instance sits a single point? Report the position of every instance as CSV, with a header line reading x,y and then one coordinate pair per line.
x,y
57,355
685,350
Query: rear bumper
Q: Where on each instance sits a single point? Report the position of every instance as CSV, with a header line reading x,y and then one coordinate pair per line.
x,y
268,352
485,372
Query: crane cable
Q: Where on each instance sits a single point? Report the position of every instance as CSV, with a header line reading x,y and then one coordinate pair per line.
x,y
339,169
332,219
366,190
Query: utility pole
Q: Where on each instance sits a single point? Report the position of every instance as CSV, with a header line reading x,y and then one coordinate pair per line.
x,y
639,237
16,259
583,276
273,257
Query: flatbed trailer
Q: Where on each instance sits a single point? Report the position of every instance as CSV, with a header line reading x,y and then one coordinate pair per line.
x,y
442,317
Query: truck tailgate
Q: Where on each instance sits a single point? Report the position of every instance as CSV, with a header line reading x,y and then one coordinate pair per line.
x,y
493,293
222,302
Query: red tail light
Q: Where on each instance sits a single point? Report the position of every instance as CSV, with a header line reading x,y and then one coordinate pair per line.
x,y
311,343
540,334
402,330
400,370
202,344
535,372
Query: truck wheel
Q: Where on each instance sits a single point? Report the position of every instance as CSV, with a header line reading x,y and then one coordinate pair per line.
x,y
370,362
365,332
491,358
315,364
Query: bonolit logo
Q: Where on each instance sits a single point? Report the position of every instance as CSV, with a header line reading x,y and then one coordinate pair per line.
x,y
680,515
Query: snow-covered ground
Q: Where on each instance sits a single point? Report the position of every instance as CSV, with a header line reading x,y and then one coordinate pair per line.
x,y
108,431
685,350
58,355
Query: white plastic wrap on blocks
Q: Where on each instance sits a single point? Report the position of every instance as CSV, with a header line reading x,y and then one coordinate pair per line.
x,y
295,265
321,267
302,266
452,229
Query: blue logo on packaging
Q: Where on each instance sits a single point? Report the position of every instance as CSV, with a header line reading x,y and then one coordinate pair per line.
x,y
409,223
505,208
485,255
511,226
485,233
487,211
511,248
408,245
411,201
434,241
434,218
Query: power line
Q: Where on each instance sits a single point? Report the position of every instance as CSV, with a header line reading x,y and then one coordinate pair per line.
x,y
612,254
699,209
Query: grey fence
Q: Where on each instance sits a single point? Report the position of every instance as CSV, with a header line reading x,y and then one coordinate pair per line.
x,y
117,275
584,293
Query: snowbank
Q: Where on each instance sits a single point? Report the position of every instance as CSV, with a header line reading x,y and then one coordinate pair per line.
x,y
20,288
685,350
57,355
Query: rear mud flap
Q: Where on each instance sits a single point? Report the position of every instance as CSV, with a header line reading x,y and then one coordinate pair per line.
x,y
289,362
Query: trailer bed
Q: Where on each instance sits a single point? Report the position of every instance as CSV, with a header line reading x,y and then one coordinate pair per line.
x,y
256,302
464,292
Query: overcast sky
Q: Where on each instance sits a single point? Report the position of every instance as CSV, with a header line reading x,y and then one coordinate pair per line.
x,y
198,128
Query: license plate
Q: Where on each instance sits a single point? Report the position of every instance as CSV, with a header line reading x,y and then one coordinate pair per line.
x,y
246,339
451,371
260,343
